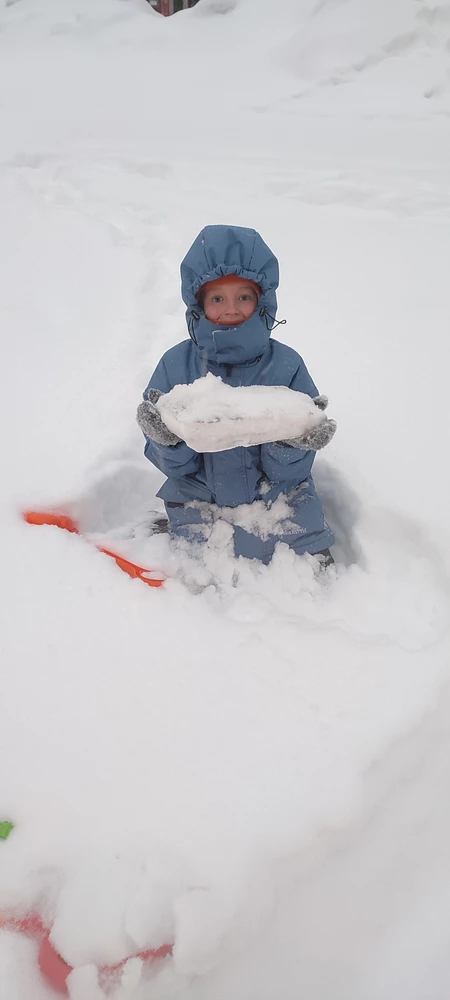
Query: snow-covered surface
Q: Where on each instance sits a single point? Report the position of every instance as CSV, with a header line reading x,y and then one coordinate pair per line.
x,y
212,416
253,760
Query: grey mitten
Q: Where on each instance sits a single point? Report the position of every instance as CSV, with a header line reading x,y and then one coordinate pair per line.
x,y
315,439
151,422
320,401
319,436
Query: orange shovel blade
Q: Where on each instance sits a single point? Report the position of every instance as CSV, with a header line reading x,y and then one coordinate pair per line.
x,y
46,517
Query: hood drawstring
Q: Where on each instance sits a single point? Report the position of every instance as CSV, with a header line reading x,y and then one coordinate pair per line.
x,y
275,322
193,317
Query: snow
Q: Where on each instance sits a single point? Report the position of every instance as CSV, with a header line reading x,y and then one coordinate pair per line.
x,y
251,760
212,416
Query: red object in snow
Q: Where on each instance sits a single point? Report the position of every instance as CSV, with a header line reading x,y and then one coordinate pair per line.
x,y
53,967
31,924
68,524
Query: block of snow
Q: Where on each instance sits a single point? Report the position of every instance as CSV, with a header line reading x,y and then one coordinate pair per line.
x,y
212,416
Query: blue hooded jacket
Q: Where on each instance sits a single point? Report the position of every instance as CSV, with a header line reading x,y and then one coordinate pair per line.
x,y
240,355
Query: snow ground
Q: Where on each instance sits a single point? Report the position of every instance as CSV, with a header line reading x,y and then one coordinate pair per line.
x,y
253,760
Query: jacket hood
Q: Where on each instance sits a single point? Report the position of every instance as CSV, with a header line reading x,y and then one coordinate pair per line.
x,y
220,250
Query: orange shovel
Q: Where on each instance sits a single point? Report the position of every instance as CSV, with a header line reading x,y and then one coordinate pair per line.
x,y
68,524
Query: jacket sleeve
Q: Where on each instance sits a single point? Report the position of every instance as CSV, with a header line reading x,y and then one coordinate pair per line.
x,y
174,460
280,462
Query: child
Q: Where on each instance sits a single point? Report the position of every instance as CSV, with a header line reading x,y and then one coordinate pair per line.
x,y
229,278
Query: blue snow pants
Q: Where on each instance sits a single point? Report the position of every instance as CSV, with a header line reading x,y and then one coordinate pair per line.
x,y
305,530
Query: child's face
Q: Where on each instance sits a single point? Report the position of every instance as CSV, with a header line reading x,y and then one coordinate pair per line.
x,y
230,304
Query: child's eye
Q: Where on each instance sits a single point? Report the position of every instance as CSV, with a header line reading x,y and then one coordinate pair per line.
x,y
245,297
217,298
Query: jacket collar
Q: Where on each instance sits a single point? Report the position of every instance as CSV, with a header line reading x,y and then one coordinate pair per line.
x,y
229,345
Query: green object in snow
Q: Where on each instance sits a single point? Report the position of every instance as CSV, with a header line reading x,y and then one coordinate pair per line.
x,y
5,829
